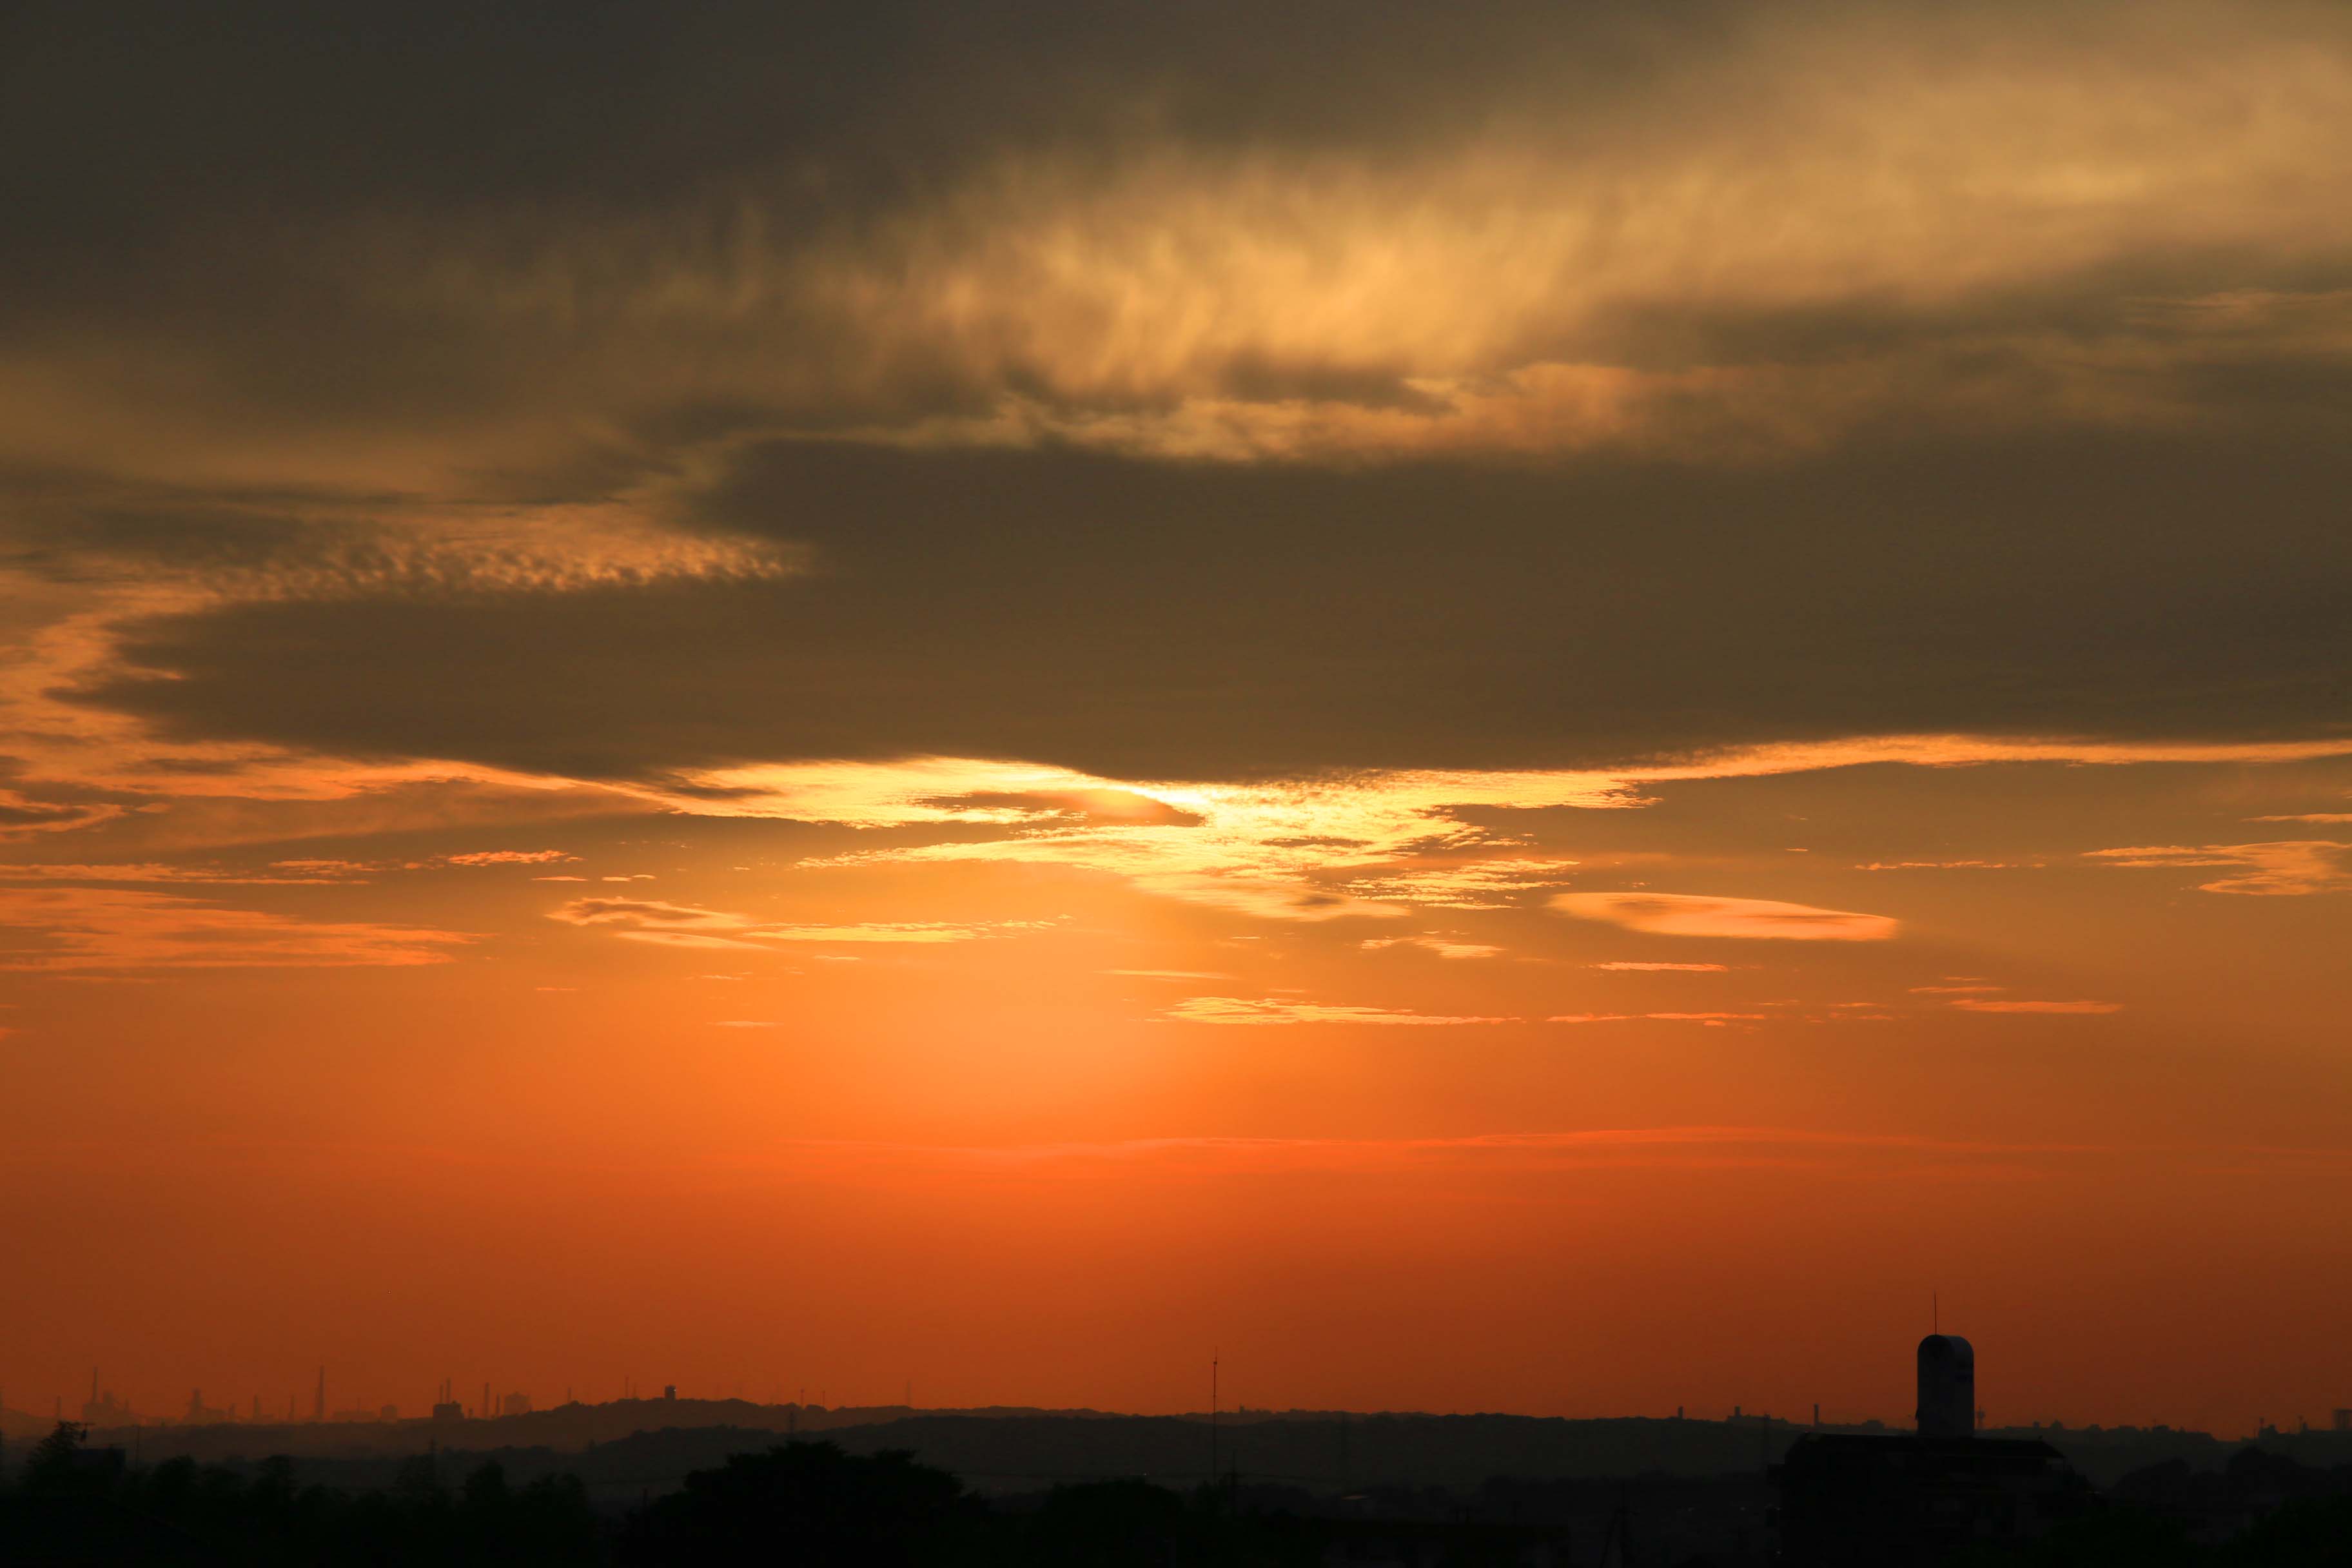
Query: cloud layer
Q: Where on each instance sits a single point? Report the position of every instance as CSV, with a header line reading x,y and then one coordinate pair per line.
x,y
1265,1011
88,930
1697,915
688,925
2289,868
1535,390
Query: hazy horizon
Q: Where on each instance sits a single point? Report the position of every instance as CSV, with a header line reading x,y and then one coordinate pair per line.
x,y
472,1419
297,1408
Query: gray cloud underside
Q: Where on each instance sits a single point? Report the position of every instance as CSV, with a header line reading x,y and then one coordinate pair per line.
x,y
1148,619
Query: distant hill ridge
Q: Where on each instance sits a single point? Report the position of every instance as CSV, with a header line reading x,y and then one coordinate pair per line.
x,y
651,1443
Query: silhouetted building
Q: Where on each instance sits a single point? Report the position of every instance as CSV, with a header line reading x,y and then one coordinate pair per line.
x,y
1948,1387
104,1409
381,1413
1848,1501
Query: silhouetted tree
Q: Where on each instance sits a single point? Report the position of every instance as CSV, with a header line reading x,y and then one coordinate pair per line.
x,y
550,1522
810,1503
1109,1522
486,1489
53,1466
2116,1538
418,1479
2313,1534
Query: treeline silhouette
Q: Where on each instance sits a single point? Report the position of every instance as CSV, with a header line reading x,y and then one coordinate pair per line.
x,y
800,1503
813,1505
73,1504
2307,1533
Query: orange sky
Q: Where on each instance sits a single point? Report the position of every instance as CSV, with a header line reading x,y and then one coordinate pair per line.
x,y
1543,719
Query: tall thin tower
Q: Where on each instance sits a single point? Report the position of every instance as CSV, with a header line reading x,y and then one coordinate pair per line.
x,y
1213,1418
318,1400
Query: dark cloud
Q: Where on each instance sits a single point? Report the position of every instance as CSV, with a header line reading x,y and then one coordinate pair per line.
x,y
163,151
649,225
447,101
78,525
1595,383
1145,619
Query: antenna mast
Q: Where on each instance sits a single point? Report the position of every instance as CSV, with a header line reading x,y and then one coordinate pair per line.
x,y
1213,1418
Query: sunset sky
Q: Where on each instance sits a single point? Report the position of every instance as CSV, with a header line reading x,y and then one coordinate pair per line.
x,y
1510,708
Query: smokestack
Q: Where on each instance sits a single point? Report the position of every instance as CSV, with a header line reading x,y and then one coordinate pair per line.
x,y
318,1403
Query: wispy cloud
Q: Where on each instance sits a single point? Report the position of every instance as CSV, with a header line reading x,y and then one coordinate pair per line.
x,y
507,858
1275,1010
1443,947
294,872
1476,883
688,925
1691,914
1371,844
2289,868
1712,1019
1991,1004
1634,966
1374,843
919,931
21,816
1169,973
282,874
76,929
